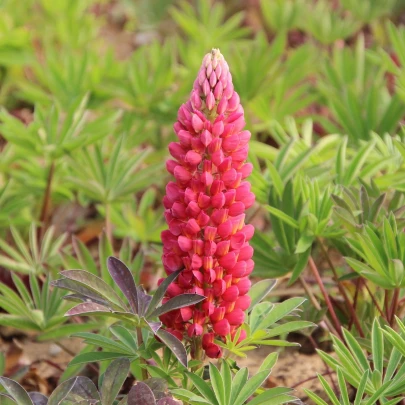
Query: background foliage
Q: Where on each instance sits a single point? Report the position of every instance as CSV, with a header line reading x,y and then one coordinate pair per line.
x,y
89,91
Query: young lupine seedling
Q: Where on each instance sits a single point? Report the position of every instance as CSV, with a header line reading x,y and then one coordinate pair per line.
x,y
38,309
35,257
226,389
207,239
140,311
378,378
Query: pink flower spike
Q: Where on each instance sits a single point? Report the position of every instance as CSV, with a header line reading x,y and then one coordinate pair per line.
x,y
205,208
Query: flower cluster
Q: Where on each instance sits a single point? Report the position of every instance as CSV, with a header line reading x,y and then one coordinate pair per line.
x,y
205,210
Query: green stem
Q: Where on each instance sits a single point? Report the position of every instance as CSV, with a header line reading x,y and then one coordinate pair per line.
x,y
142,360
197,352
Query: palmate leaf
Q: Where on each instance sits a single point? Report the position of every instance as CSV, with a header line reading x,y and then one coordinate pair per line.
x,y
125,281
355,368
16,391
31,257
260,290
113,380
222,389
141,394
94,283
174,345
100,299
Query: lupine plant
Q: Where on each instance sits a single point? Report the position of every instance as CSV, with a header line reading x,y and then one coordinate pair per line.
x,y
312,195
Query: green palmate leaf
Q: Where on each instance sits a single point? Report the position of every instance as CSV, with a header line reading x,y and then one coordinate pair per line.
x,y
279,311
203,388
273,396
125,337
251,386
289,327
217,384
2,363
378,347
300,266
105,343
284,217
259,291
94,357
269,362
238,383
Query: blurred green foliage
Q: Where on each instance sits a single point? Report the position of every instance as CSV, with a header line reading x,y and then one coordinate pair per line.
x,y
90,90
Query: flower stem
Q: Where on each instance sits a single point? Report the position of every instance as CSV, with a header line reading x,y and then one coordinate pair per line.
x,y
332,312
197,352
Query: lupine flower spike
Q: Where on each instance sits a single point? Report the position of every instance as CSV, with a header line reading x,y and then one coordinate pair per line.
x,y
205,210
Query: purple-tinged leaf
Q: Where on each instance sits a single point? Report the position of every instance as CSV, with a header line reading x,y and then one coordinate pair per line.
x,y
96,284
141,394
86,307
61,392
38,398
84,389
158,387
91,308
143,301
125,281
174,345
180,301
154,326
167,401
83,291
83,298
75,391
114,378
16,391
161,291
